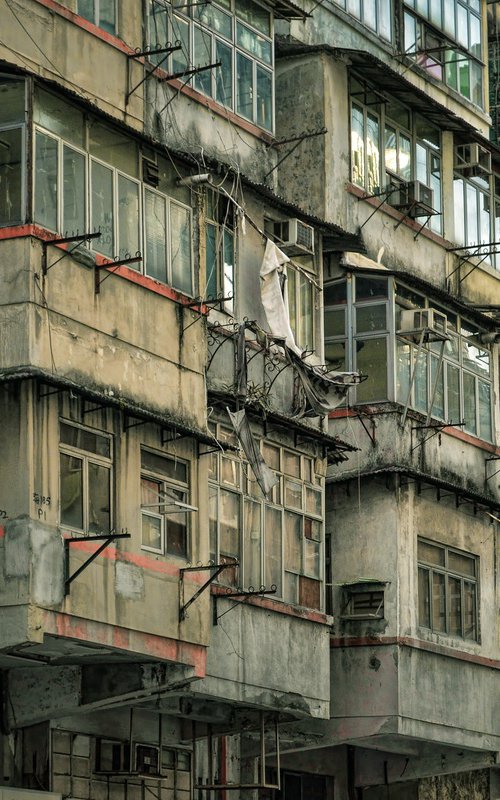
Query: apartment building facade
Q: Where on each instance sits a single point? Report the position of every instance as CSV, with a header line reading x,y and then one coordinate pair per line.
x,y
249,379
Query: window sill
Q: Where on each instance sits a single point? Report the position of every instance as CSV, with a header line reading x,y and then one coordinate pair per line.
x,y
280,607
109,38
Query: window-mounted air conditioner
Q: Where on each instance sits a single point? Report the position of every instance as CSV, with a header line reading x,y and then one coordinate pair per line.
x,y
147,759
472,160
415,198
428,321
294,236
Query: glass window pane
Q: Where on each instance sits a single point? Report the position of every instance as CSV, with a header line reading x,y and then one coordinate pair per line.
x,y
180,225
224,74
462,26
313,501
73,191
438,602
264,98
435,13
272,556
464,565
404,157
424,605
371,289
213,514
164,465
390,150
255,44
449,17
229,471
102,208
484,400
334,322
71,491
291,464
384,19
228,270
11,175
244,86
421,163
46,180
312,555
112,147
437,386
151,532
128,218
293,542
155,228
371,360
99,498
107,15
229,524
85,440
455,600
470,402
372,152
476,83
176,524
420,384
453,375
458,202
256,16
469,611
202,57
402,370
293,494
252,544
86,9
357,146
180,59
151,495
370,13
464,77
371,318
430,553
211,261
214,18
158,28
354,8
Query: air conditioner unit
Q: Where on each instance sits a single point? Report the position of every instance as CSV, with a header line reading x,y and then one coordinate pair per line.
x,y
294,236
416,199
432,323
147,759
472,160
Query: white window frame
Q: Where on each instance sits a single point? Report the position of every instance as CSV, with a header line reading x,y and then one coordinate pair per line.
x,y
97,16
166,484
87,457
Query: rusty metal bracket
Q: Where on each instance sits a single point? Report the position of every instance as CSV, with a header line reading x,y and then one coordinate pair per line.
x,y
244,593
436,429
200,568
486,476
108,538
371,435
112,265
79,238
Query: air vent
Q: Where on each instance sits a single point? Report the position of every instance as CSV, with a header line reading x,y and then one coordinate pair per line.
x,y
150,172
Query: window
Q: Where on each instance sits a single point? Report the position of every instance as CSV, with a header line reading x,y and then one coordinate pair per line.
x,y
113,756
447,590
87,178
164,497
391,146
363,601
362,332
236,33
375,14
12,149
220,249
444,38
101,12
85,459
301,299
477,214
279,540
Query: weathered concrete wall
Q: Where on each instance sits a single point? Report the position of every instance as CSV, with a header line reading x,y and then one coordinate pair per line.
x,y
60,48
256,658
468,786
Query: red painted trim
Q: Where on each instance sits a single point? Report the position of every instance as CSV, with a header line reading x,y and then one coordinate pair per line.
x,y
415,644
109,38
2,531
351,188
280,607
148,644
22,231
148,562
454,432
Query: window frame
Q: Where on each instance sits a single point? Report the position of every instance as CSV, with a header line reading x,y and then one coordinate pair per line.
x,y
211,87
221,230
116,174
246,490
361,17
87,457
448,573
166,483
97,16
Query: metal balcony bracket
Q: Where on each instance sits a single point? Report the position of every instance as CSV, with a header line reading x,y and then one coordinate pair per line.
x,y
79,238
187,74
436,429
112,265
465,253
199,305
167,50
105,538
369,433
244,594
486,461
385,194
407,215
218,568
297,141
